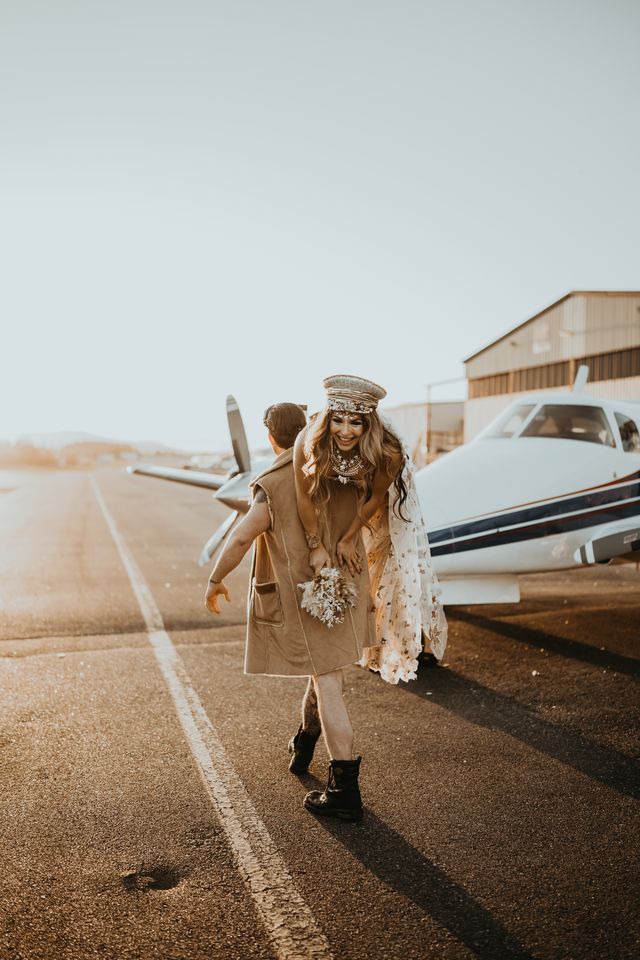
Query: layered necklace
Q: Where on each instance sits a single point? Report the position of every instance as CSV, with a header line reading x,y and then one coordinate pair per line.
x,y
346,467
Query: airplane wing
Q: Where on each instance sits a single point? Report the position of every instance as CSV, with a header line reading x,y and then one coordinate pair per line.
x,y
197,478
614,541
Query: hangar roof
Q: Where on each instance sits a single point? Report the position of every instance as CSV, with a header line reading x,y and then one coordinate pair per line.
x,y
536,316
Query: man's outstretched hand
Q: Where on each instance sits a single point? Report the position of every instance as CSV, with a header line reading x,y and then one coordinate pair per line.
x,y
214,591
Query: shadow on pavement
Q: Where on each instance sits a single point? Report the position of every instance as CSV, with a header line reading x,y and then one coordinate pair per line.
x,y
538,638
387,855
486,707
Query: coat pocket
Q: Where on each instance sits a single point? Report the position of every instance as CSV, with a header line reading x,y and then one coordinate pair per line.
x,y
266,606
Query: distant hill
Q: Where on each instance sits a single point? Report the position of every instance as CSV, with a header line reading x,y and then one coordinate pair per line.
x,y
64,438
74,449
59,439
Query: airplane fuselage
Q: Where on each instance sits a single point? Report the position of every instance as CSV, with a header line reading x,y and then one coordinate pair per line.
x,y
507,505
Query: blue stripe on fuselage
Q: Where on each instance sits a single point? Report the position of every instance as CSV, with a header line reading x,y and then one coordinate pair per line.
x,y
626,490
545,528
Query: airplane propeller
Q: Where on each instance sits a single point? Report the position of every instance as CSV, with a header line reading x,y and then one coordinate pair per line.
x,y
228,494
216,538
238,436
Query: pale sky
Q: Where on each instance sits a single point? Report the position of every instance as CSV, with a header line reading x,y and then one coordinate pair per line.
x,y
202,198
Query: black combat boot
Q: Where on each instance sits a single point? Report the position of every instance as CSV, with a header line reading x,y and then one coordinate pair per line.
x,y
341,798
301,748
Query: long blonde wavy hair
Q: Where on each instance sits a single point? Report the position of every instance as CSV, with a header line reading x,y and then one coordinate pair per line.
x,y
378,446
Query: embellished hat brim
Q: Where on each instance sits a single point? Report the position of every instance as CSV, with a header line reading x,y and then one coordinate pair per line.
x,y
349,405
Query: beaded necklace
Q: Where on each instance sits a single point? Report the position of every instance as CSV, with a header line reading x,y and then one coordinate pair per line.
x,y
346,467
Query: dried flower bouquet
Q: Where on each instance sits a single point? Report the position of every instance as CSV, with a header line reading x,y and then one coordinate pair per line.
x,y
328,595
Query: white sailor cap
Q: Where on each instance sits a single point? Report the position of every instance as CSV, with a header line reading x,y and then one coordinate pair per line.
x,y
352,394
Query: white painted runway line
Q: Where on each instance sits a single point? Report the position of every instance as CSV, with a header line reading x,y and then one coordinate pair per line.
x,y
292,929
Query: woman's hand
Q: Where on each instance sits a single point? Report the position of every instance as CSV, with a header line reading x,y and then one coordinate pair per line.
x,y
348,556
319,558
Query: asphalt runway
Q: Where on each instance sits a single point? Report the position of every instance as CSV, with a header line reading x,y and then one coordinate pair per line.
x,y
147,810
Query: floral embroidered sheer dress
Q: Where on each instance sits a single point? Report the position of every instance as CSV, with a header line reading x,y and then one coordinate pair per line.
x,y
404,587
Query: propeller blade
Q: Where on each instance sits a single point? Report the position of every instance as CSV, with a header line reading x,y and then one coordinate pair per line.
x,y
238,436
215,541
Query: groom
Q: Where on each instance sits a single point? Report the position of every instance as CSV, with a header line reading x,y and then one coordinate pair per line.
x,y
276,644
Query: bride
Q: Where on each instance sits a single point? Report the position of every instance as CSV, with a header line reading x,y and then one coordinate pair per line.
x,y
358,505
349,443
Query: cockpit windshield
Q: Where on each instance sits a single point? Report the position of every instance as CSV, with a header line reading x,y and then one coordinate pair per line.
x,y
571,422
509,422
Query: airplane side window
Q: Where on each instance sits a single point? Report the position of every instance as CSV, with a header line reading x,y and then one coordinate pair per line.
x,y
571,422
628,433
509,422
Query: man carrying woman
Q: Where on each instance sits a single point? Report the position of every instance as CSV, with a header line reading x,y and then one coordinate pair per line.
x,y
344,497
283,639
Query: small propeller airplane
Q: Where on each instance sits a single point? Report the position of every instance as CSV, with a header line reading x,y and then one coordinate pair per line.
x,y
552,483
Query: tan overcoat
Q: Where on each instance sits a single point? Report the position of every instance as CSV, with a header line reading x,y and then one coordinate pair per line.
x,y
283,639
